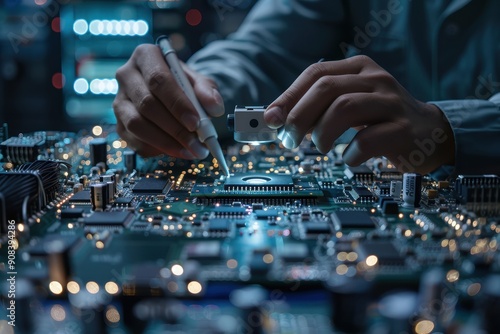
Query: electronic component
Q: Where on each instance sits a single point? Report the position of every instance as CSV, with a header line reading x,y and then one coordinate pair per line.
x,y
22,149
151,185
352,219
249,126
158,243
412,184
98,151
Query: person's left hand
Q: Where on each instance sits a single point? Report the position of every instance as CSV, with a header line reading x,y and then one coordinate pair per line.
x,y
330,97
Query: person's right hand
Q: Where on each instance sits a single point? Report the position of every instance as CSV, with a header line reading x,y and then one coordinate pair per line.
x,y
153,114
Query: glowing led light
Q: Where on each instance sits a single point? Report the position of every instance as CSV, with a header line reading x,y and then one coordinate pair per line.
x,y
55,287
473,289
268,258
352,256
97,130
92,287
452,276
111,288
424,327
99,244
194,287
80,27
57,313
177,270
371,260
81,86
73,287
341,269
232,263
112,315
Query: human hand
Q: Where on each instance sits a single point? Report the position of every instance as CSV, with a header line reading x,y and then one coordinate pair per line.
x,y
330,97
153,114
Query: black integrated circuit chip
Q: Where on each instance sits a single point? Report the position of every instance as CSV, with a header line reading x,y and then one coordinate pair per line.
x,y
151,185
259,182
219,225
81,197
109,219
352,219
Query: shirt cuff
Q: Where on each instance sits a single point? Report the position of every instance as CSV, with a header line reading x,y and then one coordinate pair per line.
x,y
476,129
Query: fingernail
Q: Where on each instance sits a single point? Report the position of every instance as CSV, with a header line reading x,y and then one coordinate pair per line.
x,y
220,103
275,116
190,121
351,153
198,149
288,141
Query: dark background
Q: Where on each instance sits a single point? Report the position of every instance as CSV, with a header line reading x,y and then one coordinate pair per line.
x,y
43,52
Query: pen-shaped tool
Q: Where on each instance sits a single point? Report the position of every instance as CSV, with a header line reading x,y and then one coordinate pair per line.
x,y
206,130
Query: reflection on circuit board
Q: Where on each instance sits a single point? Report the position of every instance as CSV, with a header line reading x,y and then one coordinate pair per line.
x,y
102,241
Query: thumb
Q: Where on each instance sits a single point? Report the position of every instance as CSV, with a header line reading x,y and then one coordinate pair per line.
x,y
207,93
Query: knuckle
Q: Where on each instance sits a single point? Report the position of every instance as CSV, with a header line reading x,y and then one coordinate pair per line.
x,y
146,103
121,73
343,103
315,71
325,84
362,59
142,49
156,79
175,104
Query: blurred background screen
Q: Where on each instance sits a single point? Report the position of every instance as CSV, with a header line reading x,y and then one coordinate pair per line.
x,y
58,57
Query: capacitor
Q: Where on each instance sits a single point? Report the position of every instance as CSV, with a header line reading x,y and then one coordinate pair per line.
x,y
109,179
77,187
98,151
130,158
350,303
412,183
395,189
99,196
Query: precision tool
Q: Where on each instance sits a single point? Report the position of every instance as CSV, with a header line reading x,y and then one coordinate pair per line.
x,y
206,130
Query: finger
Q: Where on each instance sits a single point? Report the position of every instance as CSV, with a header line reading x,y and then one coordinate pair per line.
x,y
134,143
353,110
376,140
311,107
161,83
206,91
278,110
143,131
152,109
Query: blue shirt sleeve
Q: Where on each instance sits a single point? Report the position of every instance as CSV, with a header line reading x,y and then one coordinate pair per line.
x,y
476,127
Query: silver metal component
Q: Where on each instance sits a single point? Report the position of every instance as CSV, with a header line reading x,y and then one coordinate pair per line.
x,y
249,125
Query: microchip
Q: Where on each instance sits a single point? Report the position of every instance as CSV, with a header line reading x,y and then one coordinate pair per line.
x,y
259,182
317,228
71,213
352,219
150,185
385,251
219,225
230,211
360,173
113,219
293,252
264,214
123,201
81,197
203,251
361,194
